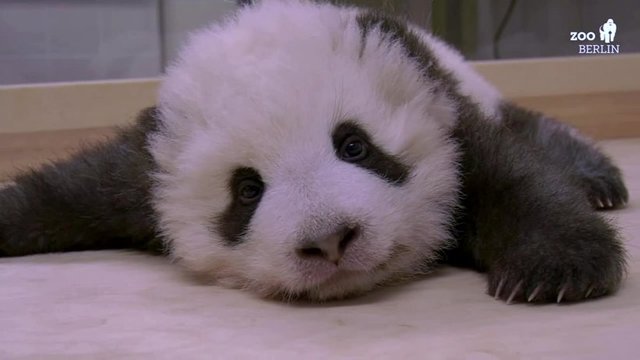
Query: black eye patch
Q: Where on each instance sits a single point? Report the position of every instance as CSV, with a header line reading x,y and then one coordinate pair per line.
x,y
353,145
246,188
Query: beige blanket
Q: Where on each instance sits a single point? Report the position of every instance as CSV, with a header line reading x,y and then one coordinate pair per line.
x,y
117,305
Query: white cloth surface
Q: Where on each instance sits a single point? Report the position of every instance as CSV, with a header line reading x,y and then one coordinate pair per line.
x,y
126,305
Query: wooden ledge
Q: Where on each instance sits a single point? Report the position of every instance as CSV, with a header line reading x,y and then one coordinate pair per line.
x,y
20,151
605,115
599,115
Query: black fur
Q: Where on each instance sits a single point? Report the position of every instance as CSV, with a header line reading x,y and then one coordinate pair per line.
x,y
378,161
234,222
601,181
528,223
525,217
99,198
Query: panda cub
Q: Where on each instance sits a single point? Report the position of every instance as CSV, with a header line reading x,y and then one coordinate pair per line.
x,y
305,150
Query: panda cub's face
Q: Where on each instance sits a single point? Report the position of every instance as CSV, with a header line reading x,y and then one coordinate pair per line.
x,y
300,159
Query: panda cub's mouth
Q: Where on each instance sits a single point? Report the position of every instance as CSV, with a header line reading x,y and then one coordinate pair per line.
x,y
318,279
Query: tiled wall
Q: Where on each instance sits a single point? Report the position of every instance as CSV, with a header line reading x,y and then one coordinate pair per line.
x,y
66,40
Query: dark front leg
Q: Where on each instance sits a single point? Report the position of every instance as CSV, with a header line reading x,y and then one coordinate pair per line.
x,y
528,224
97,199
599,178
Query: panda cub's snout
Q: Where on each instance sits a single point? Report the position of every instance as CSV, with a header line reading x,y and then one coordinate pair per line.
x,y
330,245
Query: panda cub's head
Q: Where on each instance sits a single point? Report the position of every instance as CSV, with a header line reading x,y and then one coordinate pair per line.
x,y
303,154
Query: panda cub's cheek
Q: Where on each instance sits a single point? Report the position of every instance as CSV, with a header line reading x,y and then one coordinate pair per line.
x,y
315,221
246,188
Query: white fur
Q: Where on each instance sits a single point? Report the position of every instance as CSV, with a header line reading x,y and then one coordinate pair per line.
x,y
265,90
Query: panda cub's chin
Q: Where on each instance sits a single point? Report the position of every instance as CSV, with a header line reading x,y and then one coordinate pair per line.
x,y
333,285
340,284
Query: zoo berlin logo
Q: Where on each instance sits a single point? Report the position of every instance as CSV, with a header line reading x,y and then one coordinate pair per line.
x,y
607,35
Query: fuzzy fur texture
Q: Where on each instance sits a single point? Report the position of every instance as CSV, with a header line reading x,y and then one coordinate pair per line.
x,y
256,106
268,98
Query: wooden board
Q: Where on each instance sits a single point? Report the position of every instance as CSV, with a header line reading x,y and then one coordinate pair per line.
x,y
605,115
116,102
601,116
23,150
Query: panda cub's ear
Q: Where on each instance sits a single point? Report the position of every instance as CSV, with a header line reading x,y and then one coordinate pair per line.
x,y
396,30
429,60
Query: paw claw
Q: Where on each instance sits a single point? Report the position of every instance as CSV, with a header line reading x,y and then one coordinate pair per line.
x,y
534,293
561,293
514,292
498,289
621,203
589,291
609,203
599,204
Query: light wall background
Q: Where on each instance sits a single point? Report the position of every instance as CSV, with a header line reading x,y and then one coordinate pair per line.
x,y
77,40
72,40
67,40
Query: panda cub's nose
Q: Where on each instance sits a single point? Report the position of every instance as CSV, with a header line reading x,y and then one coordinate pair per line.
x,y
329,247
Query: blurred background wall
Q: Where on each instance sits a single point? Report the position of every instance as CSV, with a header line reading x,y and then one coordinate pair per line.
x,y
73,40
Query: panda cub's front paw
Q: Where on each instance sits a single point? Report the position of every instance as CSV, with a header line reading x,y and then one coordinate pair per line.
x,y
606,190
548,272
602,181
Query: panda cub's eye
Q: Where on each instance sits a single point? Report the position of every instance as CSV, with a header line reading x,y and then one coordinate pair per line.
x,y
250,191
353,149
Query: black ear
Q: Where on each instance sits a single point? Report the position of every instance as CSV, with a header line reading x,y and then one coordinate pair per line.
x,y
99,198
398,32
